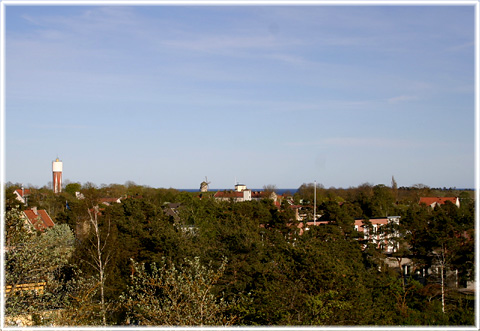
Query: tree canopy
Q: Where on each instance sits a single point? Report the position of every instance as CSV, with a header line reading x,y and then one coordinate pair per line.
x,y
181,258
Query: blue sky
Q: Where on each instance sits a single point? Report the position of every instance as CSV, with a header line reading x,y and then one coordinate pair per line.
x,y
283,95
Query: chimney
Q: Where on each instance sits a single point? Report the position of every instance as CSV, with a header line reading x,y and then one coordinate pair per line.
x,y
34,209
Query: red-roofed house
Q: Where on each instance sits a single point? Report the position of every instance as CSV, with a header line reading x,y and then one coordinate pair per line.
x,y
433,201
22,195
374,233
309,224
244,195
109,201
241,193
39,219
371,232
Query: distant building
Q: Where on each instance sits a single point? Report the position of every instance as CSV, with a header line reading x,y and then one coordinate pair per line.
x,y
371,232
245,195
109,201
241,193
240,187
57,168
39,219
434,201
22,195
204,185
172,209
374,232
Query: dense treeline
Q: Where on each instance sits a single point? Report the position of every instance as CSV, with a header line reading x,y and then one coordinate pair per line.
x,y
205,262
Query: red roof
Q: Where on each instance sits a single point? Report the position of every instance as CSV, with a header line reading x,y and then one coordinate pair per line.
x,y
108,201
39,219
360,222
431,200
228,194
25,192
258,194
235,194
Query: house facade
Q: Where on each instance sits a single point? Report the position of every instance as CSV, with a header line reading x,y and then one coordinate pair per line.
x,y
374,230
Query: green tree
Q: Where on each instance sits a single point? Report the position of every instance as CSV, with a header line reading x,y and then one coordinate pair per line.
x,y
33,258
341,216
76,292
72,188
164,295
442,240
447,240
383,201
364,198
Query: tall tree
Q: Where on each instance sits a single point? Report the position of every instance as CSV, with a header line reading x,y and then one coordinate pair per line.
x,y
383,201
100,256
395,189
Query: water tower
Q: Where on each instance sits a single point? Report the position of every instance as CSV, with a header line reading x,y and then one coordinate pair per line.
x,y
57,168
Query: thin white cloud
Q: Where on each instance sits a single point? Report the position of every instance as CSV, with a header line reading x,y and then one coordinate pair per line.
x,y
289,59
347,142
366,142
62,127
220,42
402,98
97,19
230,43
461,47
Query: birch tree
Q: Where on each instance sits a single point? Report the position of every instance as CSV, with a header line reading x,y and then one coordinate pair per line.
x,y
100,255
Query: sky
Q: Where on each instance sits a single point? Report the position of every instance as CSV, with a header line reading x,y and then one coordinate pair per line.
x,y
165,95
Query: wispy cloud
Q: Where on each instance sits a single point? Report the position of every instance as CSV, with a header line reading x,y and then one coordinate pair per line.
x,y
402,98
461,47
349,142
62,127
366,142
98,19
221,42
289,59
